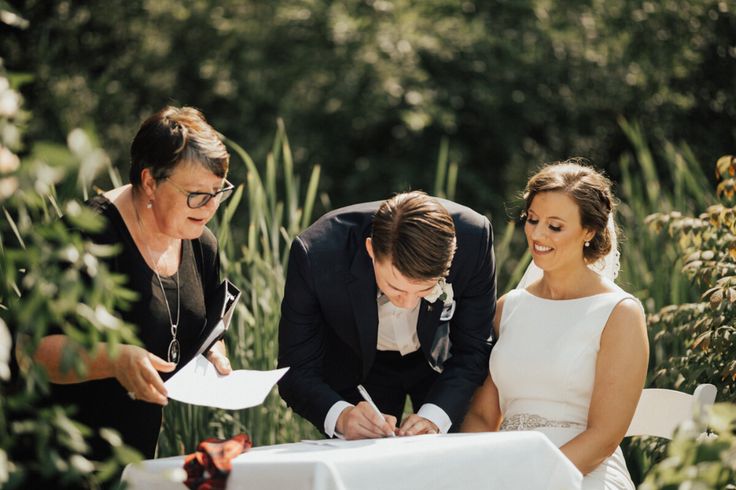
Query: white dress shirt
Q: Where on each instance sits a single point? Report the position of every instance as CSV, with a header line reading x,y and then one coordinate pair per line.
x,y
397,327
397,331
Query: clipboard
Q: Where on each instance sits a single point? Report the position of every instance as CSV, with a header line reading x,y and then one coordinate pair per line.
x,y
220,307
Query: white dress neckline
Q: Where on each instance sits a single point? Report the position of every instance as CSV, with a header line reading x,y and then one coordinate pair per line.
x,y
568,299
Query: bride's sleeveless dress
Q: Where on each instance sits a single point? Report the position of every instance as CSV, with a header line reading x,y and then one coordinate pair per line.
x,y
544,368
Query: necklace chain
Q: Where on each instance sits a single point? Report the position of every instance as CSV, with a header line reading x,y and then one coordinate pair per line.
x,y
173,353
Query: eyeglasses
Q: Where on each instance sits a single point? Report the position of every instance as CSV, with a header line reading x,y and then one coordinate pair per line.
x,y
198,199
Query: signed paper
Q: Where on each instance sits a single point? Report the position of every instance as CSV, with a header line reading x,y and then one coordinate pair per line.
x,y
199,383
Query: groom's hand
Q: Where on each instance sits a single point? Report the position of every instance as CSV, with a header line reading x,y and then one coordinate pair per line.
x,y
361,422
415,425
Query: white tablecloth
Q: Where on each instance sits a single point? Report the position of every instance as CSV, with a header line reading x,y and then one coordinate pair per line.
x,y
499,460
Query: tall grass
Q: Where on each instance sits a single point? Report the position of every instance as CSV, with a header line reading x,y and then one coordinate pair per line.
x,y
445,185
672,180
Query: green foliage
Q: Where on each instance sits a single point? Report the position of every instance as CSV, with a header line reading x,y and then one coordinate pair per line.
x,y
699,460
656,175
689,334
373,90
52,277
705,328
369,87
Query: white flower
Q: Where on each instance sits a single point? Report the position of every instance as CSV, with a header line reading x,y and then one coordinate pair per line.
x,y
442,290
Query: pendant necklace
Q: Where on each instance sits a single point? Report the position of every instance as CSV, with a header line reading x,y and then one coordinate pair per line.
x,y
174,348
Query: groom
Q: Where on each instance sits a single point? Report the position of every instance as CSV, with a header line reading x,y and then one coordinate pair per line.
x,y
398,296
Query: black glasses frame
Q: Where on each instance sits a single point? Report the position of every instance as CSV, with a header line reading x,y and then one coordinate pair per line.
x,y
205,197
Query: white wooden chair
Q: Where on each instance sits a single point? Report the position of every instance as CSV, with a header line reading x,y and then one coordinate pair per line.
x,y
660,411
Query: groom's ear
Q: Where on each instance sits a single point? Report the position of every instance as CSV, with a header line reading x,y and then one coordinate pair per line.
x,y
369,247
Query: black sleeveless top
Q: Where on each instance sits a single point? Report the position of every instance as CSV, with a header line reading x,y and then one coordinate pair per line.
x,y
105,403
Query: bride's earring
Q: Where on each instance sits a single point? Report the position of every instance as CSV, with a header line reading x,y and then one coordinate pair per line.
x,y
150,205
587,243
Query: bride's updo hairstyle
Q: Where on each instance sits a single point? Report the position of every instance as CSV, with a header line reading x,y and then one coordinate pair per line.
x,y
590,189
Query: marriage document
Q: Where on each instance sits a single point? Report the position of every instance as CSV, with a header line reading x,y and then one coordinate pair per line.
x,y
199,383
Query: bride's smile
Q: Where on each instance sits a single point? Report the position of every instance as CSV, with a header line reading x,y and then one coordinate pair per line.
x,y
554,231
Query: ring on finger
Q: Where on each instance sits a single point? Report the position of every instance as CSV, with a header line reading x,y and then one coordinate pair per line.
x,y
132,395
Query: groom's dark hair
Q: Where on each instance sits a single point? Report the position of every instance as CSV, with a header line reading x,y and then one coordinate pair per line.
x,y
416,233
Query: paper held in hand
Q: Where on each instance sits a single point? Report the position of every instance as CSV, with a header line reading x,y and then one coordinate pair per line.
x,y
199,383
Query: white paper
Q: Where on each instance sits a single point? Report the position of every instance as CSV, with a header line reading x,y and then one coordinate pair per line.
x,y
342,443
199,383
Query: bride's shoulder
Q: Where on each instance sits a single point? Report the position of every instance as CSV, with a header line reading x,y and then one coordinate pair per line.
x,y
498,314
608,286
509,297
632,307
506,303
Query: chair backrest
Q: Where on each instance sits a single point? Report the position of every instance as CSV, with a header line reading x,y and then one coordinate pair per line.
x,y
660,411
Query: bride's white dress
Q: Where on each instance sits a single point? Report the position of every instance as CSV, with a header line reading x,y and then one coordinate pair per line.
x,y
544,367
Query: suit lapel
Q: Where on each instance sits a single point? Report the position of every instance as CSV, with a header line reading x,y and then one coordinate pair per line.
x,y
362,290
429,319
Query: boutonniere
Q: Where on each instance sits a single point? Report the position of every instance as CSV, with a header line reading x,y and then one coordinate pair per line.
x,y
442,291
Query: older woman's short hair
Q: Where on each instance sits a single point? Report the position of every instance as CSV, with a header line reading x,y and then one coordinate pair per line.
x,y
174,135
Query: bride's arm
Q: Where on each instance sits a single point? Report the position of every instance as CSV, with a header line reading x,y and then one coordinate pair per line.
x,y
485,413
620,374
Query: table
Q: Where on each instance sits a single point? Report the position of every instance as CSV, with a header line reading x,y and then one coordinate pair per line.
x,y
498,460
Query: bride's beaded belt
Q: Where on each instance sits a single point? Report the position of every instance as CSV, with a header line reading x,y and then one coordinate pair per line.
x,y
529,421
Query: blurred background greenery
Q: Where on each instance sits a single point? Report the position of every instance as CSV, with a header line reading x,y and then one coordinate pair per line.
x,y
368,88
459,98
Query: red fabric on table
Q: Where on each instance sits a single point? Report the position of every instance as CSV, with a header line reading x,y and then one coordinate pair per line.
x,y
209,467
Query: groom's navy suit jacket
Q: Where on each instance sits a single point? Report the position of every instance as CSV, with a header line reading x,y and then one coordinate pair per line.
x,y
329,314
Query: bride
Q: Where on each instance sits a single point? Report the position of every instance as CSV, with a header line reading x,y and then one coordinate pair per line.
x,y
572,350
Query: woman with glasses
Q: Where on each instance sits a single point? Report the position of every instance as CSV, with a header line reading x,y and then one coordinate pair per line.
x,y
171,261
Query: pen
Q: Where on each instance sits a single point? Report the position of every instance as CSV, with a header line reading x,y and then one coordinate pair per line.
x,y
368,398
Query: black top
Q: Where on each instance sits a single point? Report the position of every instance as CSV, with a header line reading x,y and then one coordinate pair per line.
x,y
105,403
